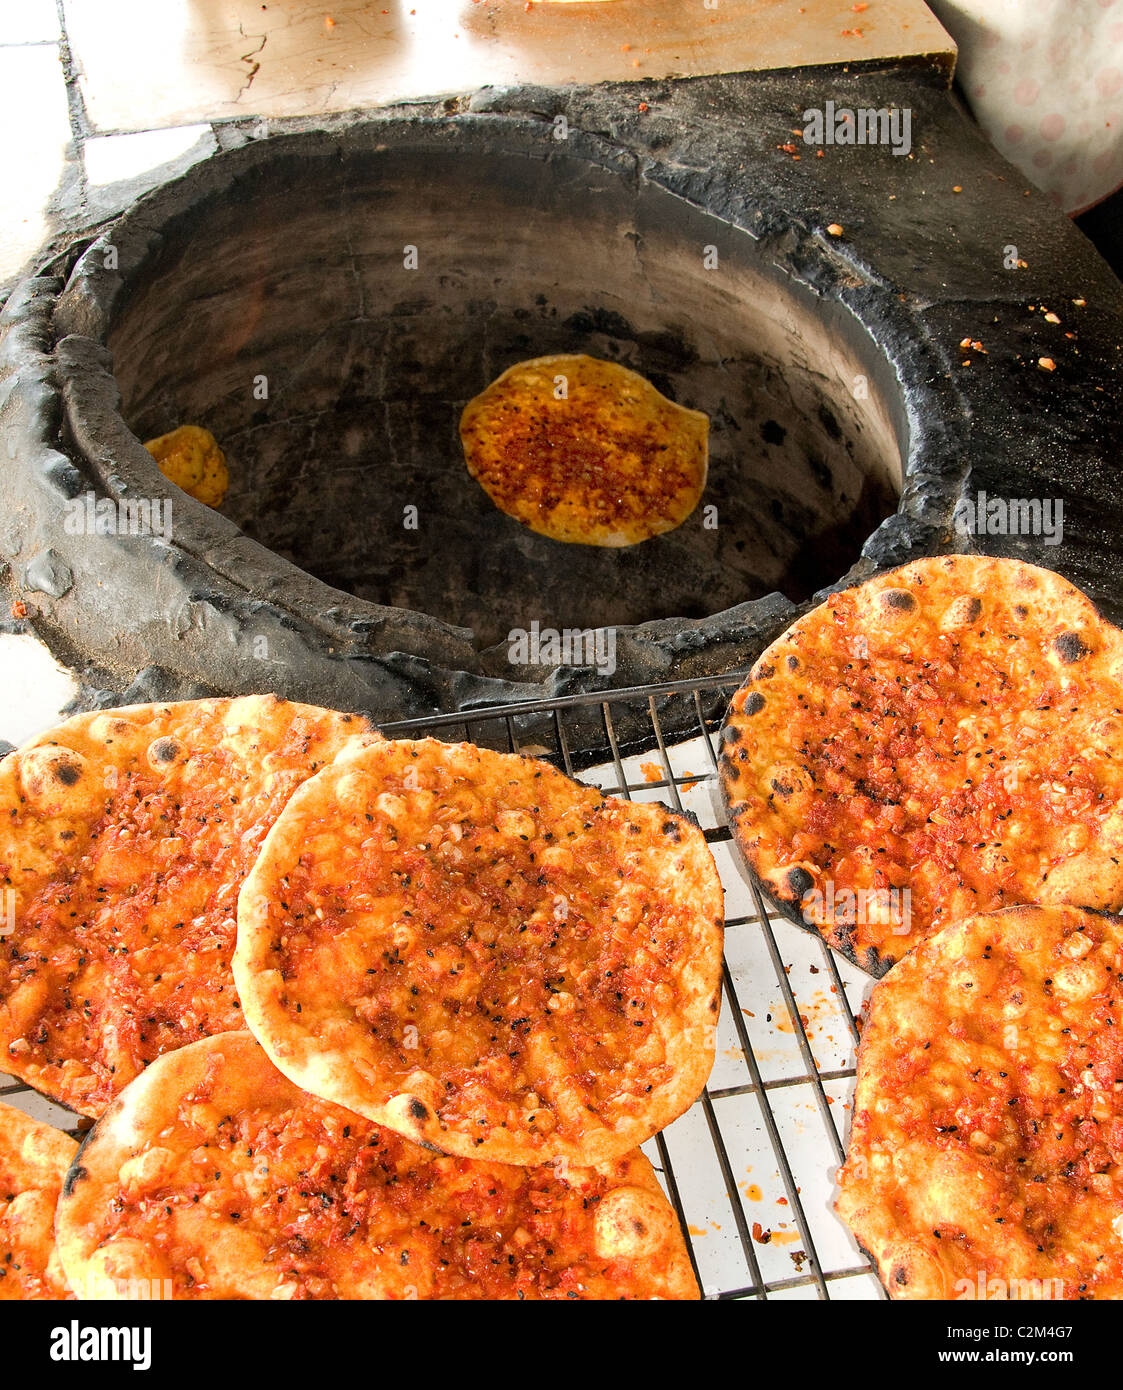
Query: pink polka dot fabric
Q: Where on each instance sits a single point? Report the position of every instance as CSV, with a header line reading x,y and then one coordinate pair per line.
x,y
1045,81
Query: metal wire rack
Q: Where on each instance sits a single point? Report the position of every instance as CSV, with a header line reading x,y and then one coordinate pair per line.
x,y
750,1167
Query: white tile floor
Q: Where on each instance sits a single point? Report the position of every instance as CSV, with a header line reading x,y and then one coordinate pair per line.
x,y
32,162
34,688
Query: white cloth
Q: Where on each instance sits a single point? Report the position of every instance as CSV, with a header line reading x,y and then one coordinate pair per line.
x,y
1045,81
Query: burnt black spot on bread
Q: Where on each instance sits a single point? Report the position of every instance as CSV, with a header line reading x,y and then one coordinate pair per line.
x,y
418,1109
638,1226
793,663
730,734
800,882
754,702
68,773
1069,647
900,1275
165,750
974,609
764,672
899,599
829,422
1021,611
780,787
673,831
76,1174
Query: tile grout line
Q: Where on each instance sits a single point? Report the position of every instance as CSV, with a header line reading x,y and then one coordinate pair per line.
x,y
75,106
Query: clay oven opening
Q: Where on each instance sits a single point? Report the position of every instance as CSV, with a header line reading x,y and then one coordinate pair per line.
x,y
286,318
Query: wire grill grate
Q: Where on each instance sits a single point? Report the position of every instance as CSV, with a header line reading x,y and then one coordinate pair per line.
x,y
750,1167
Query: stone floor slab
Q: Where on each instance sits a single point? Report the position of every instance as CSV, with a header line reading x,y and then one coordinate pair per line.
x,y
182,61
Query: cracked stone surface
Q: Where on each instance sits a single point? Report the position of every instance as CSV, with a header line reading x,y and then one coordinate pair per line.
x,y
221,62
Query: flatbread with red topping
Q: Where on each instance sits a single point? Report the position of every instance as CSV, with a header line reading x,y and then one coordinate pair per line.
x,y
942,740
33,1161
986,1154
124,839
474,950
212,1176
585,451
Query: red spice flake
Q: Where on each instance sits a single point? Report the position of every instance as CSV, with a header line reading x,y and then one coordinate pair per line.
x,y
19,610
652,772
834,229
642,106
762,1237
